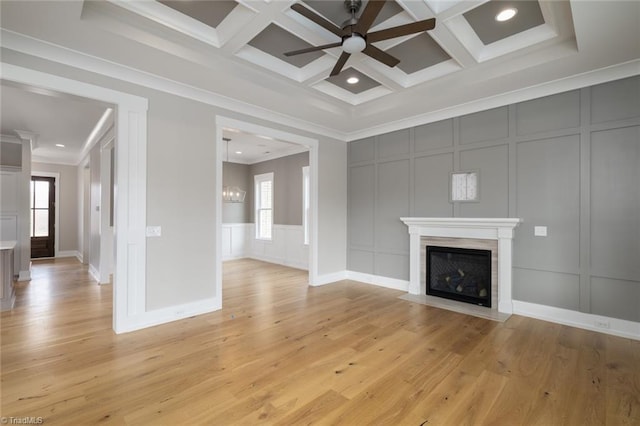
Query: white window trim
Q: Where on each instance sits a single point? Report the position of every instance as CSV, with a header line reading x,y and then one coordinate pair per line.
x,y
306,205
257,180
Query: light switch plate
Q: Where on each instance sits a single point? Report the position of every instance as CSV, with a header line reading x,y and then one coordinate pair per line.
x,y
540,231
154,231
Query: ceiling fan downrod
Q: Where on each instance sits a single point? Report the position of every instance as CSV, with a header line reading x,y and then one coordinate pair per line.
x,y
352,42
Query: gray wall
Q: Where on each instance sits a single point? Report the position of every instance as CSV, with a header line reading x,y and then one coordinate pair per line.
x,y
234,174
10,155
570,162
287,187
180,182
67,204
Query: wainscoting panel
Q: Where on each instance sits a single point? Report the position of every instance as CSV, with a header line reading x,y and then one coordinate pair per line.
x,y
285,248
566,162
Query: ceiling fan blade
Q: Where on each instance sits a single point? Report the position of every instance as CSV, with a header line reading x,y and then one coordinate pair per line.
x,y
314,17
369,14
381,55
341,61
313,49
402,30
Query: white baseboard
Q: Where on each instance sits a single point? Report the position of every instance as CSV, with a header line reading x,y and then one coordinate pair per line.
x,y
173,313
68,253
616,327
278,261
79,257
24,275
329,278
233,257
94,273
379,280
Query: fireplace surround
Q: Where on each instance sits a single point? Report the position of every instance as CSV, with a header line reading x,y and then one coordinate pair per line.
x,y
495,234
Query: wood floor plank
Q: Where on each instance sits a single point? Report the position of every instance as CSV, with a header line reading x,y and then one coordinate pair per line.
x,y
281,352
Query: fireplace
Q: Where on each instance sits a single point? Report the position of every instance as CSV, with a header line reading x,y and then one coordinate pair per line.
x,y
459,274
492,234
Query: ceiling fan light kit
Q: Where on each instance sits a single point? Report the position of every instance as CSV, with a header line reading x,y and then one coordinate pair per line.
x,y
353,44
354,32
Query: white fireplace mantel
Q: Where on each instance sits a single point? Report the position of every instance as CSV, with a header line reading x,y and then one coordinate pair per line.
x,y
500,229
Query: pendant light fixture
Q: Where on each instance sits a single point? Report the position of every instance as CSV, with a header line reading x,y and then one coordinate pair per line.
x,y
232,194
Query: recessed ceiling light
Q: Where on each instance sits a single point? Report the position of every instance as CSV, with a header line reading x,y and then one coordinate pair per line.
x,y
353,80
506,14
59,145
238,152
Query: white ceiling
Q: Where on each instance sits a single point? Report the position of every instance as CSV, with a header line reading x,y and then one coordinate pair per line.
x,y
49,119
247,148
580,43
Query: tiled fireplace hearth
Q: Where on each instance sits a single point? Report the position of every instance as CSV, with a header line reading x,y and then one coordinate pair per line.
x,y
494,234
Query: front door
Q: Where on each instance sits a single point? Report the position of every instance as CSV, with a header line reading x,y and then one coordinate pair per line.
x,y
43,206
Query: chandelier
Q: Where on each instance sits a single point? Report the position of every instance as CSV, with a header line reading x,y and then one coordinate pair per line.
x,y
232,194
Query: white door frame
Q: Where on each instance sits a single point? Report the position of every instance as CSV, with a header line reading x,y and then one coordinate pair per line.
x,y
256,129
129,281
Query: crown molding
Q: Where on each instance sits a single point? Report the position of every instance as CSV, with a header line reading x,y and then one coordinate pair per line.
x,y
60,54
578,81
52,52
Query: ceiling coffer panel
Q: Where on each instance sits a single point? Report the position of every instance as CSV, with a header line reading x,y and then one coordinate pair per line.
x,y
211,13
364,81
334,10
275,41
482,19
418,53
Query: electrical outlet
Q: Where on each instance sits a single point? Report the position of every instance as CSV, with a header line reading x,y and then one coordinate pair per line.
x,y
602,324
154,231
540,231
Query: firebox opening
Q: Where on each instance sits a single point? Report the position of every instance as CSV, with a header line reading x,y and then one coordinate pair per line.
x,y
459,274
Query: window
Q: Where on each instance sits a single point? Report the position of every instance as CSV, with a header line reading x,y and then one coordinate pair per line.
x,y
264,206
305,203
41,206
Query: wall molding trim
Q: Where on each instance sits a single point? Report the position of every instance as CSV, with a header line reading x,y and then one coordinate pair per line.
x,y
331,278
94,273
172,313
57,53
617,327
69,253
379,280
24,276
578,81
279,261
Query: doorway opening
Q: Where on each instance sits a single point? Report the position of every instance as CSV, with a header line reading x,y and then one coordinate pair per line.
x,y
281,211
129,284
42,212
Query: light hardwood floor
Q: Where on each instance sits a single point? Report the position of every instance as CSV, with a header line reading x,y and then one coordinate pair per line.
x,y
280,352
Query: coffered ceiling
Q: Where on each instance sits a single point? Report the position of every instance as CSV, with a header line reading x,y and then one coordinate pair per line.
x,y
231,53
466,34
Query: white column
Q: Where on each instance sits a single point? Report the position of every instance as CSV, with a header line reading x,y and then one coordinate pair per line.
x,y
505,252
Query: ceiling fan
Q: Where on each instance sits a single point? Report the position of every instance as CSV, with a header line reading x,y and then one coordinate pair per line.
x,y
354,32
